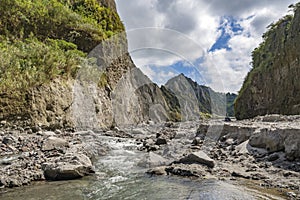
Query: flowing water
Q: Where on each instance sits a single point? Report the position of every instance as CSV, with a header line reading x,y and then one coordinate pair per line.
x,y
119,177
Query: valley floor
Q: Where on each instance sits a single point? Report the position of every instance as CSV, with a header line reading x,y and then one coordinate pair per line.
x,y
263,151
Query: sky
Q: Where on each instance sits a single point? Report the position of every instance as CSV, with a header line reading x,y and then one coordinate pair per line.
x,y
209,41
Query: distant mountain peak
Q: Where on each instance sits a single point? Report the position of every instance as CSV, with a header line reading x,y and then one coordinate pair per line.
x,y
198,99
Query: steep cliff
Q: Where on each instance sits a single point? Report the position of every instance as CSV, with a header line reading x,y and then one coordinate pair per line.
x,y
66,64
272,86
195,99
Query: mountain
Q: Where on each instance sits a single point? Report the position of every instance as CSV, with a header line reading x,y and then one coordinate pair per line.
x,y
195,99
272,86
66,64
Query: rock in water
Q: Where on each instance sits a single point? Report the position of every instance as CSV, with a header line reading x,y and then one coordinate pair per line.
x,y
198,157
157,171
52,143
76,167
153,160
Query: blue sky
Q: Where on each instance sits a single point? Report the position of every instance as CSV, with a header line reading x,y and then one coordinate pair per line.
x,y
208,42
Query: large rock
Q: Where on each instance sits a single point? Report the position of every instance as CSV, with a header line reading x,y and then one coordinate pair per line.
x,y
271,140
278,139
198,157
292,145
52,143
153,160
76,167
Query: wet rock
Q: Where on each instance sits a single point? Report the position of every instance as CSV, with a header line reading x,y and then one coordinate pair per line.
x,y
52,143
77,167
180,172
198,157
157,171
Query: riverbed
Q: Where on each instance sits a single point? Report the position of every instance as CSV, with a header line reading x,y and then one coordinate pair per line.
x,y
118,176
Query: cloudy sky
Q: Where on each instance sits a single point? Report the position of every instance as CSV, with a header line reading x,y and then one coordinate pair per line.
x,y
209,41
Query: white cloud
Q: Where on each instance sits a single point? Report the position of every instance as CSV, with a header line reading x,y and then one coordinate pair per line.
x,y
195,24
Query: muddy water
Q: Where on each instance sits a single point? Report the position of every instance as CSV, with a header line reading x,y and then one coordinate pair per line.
x,y
119,177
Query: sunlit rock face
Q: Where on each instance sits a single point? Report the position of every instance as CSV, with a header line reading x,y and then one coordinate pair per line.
x,y
272,86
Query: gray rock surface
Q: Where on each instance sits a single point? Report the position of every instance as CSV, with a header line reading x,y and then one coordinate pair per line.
x,y
154,160
198,157
52,143
76,166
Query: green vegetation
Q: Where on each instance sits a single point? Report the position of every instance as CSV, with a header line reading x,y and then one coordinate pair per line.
x,y
83,22
103,80
29,63
205,115
41,40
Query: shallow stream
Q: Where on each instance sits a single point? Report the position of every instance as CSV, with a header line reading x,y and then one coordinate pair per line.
x,y
119,177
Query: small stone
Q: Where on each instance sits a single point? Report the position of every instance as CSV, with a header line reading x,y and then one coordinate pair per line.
x,y
8,140
229,141
58,132
196,141
49,133
36,129
273,157
291,194
161,141
240,175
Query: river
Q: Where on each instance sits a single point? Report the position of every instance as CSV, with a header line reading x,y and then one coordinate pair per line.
x,y
118,176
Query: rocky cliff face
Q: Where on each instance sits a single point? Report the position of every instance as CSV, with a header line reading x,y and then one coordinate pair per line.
x,y
103,87
195,99
272,86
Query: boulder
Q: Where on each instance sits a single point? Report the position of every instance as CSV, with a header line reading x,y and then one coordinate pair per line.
x,y
198,157
271,140
153,160
76,167
292,145
52,143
